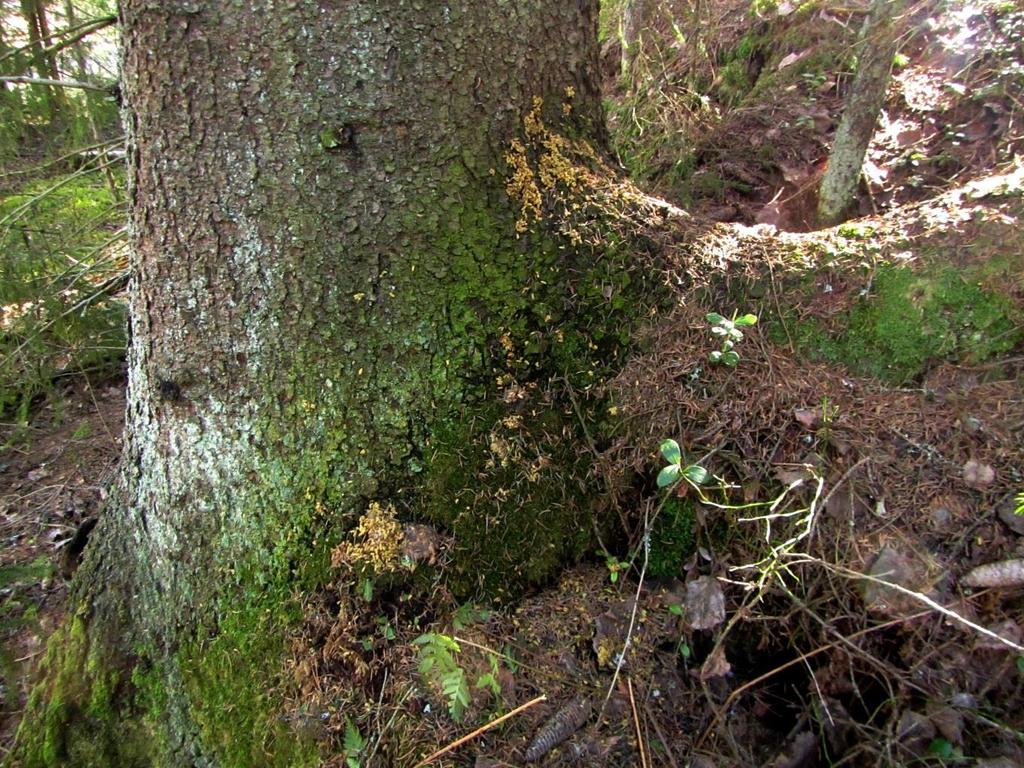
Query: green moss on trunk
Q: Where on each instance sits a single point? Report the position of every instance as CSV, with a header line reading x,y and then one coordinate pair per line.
x,y
82,714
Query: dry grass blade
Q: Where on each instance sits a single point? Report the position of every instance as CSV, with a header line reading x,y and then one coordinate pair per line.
x,y
636,724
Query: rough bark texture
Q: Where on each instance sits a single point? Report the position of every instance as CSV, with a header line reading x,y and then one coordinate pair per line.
x,y
328,278
636,20
44,61
864,102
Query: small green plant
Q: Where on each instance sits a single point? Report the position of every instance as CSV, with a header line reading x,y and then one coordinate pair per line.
x,y
467,614
354,745
729,331
615,567
489,680
805,122
385,629
828,419
438,662
1019,508
814,80
366,590
943,749
692,473
683,647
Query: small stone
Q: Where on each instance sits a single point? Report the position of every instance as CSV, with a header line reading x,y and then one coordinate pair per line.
x,y
915,731
964,701
972,425
941,517
705,603
895,567
1007,513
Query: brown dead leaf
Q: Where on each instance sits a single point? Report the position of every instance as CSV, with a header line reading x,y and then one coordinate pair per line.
x,y
421,543
907,569
792,58
915,731
791,474
771,214
716,665
809,418
796,174
1008,630
949,723
705,603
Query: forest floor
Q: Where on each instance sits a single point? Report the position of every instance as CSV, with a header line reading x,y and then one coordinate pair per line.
x,y
828,596
816,600
54,475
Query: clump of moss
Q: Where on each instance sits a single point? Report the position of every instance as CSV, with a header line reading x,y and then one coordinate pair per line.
x,y
78,715
513,492
231,681
911,318
672,538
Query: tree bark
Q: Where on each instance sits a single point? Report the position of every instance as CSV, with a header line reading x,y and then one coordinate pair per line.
x,y
878,45
636,20
336,256
43,61
11,127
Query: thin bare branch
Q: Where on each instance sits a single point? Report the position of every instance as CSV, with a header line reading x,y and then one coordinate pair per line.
x,y
26,80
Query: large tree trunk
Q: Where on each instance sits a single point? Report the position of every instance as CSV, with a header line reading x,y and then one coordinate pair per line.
x,y
336,255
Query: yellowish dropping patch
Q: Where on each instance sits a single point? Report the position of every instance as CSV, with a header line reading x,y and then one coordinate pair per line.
x,y
522,186
376,542
533,123
501,448
515,421
554,168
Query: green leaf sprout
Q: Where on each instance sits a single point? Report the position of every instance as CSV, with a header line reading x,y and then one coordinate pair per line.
x,y
729,332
